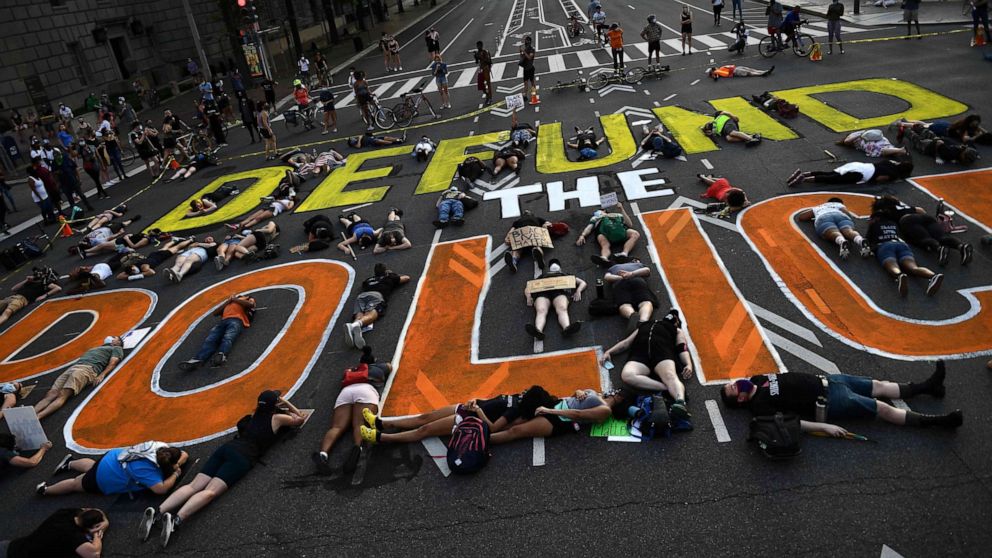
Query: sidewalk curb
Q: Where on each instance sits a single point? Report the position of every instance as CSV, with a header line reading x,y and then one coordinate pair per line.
x,y
822,13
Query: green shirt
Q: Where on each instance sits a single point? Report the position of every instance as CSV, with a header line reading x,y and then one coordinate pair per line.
x,y
100,357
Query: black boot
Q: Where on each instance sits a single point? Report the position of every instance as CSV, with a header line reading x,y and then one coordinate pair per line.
x,y
953,419
934,385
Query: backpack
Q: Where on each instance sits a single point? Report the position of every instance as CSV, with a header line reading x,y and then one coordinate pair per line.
x,y
468,449
558,229
144,450
779,436
612,228
785,109
356,375
29,249
651,419
270,252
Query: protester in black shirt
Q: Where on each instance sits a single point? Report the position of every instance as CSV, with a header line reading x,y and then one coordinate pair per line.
x,y
269,89
371,302
67,532
895,256
921,229
34,288
845,396
528,219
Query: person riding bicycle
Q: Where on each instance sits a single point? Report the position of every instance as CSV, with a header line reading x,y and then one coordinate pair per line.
x,y
301,94
774,12
789,25
599,21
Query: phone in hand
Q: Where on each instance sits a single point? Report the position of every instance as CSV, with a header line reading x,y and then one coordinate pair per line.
x,y
608,364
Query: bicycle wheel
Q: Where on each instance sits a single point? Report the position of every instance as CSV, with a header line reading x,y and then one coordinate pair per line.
x,y
384,118
766,47
199,144
599,81
634,75
803,44
127,156
403,114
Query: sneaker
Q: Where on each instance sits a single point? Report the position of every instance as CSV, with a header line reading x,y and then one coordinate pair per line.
x,y
219,359
219,263
170,275
369,435
533,332
967,252
147,520
63,465
320,458
845,250
902,284
934,285
572,328
349,339
755,140
679,410
168,524
370,418
41,488
538,256
865,249
457,222
191,364
351,462
792,177
796,180
510,264
600,260
356,334
943,254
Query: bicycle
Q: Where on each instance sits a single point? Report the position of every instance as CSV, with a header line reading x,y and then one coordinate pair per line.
x,y
193,142
384,118
580,82
409,109
128,155
801,43
603,79
294,116
637,74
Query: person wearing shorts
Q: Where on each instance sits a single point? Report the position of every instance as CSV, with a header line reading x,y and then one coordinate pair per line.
x,y
392,235
527,220
90,369
371,302
526,63
114,473
655,348
609,229
271,208
439,69
922,229
834,223
726,126
845,397
89,277
360,232
652,34
34,288
330,115
895,256
731,71
191,259
227,465
135,267
558,298
586,144
634,298
499,412
720,189
359,396
544,415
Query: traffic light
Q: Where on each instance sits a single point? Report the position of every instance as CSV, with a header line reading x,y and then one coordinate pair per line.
x,y
249,14
242,3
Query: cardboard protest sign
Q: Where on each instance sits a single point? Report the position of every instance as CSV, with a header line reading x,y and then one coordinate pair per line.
x,y
551,284
529,237
24,425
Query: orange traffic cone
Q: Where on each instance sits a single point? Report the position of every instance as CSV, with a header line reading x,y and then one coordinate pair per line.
x,y
816,55
534,99
65,231
979,39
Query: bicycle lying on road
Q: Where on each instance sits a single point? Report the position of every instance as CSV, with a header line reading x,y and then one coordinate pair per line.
x,y
603,79
580,82
801,43
637,74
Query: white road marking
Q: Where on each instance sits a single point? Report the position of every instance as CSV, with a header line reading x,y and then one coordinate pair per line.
x,y
438,453
706,163
539,348
538,459
719,428
788,325
695,82
802,353
459,34
668,98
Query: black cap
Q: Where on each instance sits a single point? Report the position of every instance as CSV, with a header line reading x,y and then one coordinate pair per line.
x,y
269,398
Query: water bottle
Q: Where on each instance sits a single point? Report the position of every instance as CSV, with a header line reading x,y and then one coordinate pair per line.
x,y
821,409
599,288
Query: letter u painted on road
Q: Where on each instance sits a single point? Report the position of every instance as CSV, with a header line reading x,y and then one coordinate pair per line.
x,y
114,313
130,406
832,301
435,370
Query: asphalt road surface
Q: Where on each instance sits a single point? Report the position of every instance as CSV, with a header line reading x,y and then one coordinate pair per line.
x,y
918,492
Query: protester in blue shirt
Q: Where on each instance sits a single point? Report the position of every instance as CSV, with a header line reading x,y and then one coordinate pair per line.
x,y
150,465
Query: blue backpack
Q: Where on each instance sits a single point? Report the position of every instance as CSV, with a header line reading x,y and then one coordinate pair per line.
x,y
651,419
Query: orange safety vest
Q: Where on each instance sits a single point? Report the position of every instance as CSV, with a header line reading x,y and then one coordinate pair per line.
x,y
725,71
616,38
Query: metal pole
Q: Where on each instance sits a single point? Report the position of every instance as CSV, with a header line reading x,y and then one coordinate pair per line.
x,y
204,64
857,7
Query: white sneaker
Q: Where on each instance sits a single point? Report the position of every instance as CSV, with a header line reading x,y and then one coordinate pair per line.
x,y
168,524
845,250
356,335
349,338
147,520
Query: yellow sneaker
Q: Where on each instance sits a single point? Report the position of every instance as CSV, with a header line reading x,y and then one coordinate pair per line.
x,y
369,435
369,417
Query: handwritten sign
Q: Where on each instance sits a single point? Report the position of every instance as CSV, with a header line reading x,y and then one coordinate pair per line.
x,y
551,284
24,425
609,200
514,102
529,237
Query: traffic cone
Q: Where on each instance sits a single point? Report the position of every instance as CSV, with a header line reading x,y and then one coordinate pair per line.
x,y
534,99
816,55
65,231
979,39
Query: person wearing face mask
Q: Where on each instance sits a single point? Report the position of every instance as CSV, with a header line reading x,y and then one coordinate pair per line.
x,y
542,301
843,396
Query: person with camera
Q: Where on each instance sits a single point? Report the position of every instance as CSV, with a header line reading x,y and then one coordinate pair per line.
x,y
227,465
42,284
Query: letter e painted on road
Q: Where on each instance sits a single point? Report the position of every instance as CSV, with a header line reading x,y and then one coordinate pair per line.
x,y
451,153
331,191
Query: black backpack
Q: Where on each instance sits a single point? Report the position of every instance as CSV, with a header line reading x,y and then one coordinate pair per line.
x,y
468,449
779,436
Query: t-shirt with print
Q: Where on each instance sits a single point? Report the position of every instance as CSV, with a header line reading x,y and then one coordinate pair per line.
x,y
100,357
794,392
652,32
384,284
56,536
883,230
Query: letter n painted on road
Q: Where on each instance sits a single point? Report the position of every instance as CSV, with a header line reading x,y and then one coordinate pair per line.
x,y
727,340
331,191
114,313
923,103
551,156
130,406
434,369
829,298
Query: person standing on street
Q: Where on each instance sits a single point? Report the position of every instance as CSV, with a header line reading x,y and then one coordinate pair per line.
x,y
615,35
717,8
439,69
485,62
433,40
265,130
527,54
735,9
834,12
304,65
652,34
269,89
687,29
248,117
910,14
774,11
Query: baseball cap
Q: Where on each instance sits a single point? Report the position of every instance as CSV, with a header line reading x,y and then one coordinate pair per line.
x,y
269,398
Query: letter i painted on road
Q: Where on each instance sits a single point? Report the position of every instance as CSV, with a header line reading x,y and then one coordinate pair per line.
x,y
726,338
435,370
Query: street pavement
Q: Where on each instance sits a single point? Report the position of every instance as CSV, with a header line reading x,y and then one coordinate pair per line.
x,y
703,493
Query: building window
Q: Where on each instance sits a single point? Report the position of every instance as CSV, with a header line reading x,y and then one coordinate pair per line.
x,y
58,3
81,64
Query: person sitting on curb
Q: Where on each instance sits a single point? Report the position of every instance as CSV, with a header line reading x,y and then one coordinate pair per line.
x,y
37,287
546,416
834,223
67,532
657,348
368,139
10,457
719,189
359,232
320,233
235,316
895,256
359,396
872,143
847,397
732,71
135,267
660,142
726,126
889,170
228,464
450,208
512,257
90,369
371,302
634,298
392,235
610,228
499,412
89,278
922,229
559,298
191,259
150,465
586,144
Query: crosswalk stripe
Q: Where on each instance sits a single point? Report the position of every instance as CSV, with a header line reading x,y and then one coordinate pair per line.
x,y
557,63
381,89
467,77
346,100
643,47
709,41
587,59
496,73
407,86
674,43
